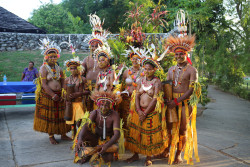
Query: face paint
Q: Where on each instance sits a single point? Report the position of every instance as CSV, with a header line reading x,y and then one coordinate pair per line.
x,y
102,62
52,59
149,70
73,70
94,46
180,57
105,106
135,61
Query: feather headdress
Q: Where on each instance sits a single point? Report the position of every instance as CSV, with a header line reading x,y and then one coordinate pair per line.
x,y
152,57
75,61
103,50
98,96
180,44
48,47
98,34
96,23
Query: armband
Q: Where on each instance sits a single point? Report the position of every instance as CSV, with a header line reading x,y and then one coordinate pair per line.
x,y
191,85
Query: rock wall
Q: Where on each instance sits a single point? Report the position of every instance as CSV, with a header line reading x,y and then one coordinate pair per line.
x,y
26,41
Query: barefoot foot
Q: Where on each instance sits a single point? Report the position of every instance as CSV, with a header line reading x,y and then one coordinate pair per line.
x,y
84,160
178,160
148,161
53,140
164,154
135,157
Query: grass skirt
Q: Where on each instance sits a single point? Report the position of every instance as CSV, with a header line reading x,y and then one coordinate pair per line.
x,y
191,146
49,115
147,137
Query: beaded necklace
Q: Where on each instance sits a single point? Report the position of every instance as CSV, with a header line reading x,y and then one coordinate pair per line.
x,y
55,72
134,76
176,80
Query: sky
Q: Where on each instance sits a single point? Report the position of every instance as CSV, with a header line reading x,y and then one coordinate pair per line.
x,y
23,8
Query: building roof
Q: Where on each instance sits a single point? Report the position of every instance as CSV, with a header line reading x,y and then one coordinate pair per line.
x,y
10,22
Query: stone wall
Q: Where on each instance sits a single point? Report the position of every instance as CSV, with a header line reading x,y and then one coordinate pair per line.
x,y
26,41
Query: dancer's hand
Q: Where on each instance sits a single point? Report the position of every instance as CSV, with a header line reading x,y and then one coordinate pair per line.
x,y
143,116
79,145
55,97
171,104
103,150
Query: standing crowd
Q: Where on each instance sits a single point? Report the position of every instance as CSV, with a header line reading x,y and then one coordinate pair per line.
x,y
112,110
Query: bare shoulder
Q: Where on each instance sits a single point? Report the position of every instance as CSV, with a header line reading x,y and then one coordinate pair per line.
x,y
115,114
43,69
157,81
193,69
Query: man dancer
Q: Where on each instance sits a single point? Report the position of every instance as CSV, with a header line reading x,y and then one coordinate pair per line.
x,y
185,78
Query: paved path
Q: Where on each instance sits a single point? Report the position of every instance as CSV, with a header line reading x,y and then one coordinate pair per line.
x,y
223,137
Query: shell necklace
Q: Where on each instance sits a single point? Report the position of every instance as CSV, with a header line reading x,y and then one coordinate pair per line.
x,y
144,84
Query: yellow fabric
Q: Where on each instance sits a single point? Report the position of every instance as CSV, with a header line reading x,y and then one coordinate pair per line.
x,y
148,137
191,139
78,112
132,107
38,83
121,139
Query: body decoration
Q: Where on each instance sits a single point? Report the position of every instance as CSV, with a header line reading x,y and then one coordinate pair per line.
x,y
74,86
99,132
49,113
184,78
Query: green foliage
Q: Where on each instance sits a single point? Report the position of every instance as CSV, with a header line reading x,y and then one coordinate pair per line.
x,y
118,50
110,10
54,19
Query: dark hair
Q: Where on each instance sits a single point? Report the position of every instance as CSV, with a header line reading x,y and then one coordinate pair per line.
x,y
32,62
151,63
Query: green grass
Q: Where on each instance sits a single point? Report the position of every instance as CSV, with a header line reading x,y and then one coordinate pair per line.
x,y
13,63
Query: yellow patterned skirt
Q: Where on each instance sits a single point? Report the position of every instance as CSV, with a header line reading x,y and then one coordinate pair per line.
x,y
49,115
191,146
78,112
147,137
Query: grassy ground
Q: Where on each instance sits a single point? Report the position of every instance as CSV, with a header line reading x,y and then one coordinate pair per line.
x,y
13,63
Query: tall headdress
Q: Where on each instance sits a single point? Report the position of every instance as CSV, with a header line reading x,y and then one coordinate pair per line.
x,y
181,23
75,61
49,48
183,42
151,56
98,34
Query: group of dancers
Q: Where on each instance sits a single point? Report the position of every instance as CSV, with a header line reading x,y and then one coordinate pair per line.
x,y
112,110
